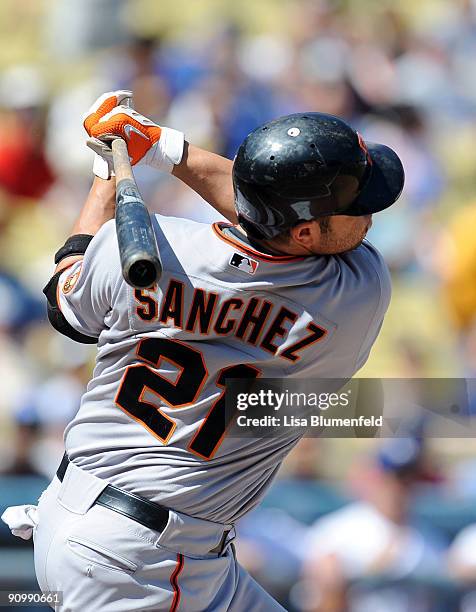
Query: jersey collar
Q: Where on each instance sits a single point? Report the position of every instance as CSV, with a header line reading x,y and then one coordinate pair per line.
x,y
231,235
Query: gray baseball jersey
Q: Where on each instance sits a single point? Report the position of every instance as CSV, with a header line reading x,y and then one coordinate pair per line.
x,y
150,420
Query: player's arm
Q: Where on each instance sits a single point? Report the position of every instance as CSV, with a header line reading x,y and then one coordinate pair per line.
x,y
162,148
209,175
98,208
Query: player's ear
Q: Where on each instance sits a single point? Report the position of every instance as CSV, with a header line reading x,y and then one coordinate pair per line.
x,y
303,234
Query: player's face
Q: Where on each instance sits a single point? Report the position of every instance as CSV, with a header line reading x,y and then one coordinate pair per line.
x,y
343,234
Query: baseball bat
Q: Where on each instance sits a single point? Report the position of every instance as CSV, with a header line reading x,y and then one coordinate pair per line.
x,y
140,260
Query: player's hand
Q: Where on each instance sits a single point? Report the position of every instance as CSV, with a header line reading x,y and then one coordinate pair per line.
x,y
103,166
147,142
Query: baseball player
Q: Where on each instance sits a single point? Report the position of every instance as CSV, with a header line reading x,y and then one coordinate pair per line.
x,y
141,513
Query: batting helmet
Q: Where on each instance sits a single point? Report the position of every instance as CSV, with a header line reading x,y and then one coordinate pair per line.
x,y
305,166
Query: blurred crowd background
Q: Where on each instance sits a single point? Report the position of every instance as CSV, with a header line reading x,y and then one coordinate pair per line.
x,y
358,525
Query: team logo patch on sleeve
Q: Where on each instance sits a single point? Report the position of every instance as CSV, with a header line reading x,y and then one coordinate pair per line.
x,y
246,264
71,280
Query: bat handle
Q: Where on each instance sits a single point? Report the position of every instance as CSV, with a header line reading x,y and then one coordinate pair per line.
x,y
122,164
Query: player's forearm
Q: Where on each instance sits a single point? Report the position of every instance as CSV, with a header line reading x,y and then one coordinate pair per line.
x,y
99,207
209,175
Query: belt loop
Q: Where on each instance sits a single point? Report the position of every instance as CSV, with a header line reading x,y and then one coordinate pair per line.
x,y
63,466
225,540
79,490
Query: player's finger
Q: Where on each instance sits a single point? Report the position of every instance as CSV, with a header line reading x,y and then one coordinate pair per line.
x,y
131,113
112,125
103,164
100,147
108,100
101,167
103,105
139,132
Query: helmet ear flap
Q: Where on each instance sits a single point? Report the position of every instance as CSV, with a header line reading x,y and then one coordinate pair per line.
x,y
256,216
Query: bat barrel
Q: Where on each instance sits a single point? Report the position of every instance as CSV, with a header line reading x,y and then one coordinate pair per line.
x,y
140,261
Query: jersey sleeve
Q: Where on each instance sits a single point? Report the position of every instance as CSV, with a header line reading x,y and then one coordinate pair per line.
x,y
87,289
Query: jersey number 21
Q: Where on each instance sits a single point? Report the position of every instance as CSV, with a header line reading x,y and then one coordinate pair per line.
x,y
179,394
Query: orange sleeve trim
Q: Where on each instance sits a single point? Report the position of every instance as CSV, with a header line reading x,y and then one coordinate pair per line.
x,y
217,228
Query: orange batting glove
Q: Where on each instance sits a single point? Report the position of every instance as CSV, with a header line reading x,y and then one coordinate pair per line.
x,y
148,143
103,166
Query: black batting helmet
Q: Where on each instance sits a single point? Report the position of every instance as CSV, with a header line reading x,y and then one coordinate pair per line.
x,y
310,165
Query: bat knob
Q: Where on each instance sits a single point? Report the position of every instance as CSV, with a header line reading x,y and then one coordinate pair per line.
x,y
142,274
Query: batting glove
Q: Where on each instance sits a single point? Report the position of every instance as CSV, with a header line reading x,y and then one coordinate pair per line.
x,y
148,143
103,166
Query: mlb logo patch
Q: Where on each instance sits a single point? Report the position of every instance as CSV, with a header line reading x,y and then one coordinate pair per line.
x,y
246,264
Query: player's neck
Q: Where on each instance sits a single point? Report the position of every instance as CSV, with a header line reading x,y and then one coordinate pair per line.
x,y
276,247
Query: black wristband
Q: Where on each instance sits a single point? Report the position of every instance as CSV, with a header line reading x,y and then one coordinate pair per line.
x,y
75,245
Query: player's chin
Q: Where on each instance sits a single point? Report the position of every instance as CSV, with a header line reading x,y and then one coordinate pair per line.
x,y
357,244
350,247
339,250
361,238
343,246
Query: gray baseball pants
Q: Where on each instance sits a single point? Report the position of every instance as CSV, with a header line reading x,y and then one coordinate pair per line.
x,y
103,561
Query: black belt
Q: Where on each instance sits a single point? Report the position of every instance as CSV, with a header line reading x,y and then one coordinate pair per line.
x,y
135,507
